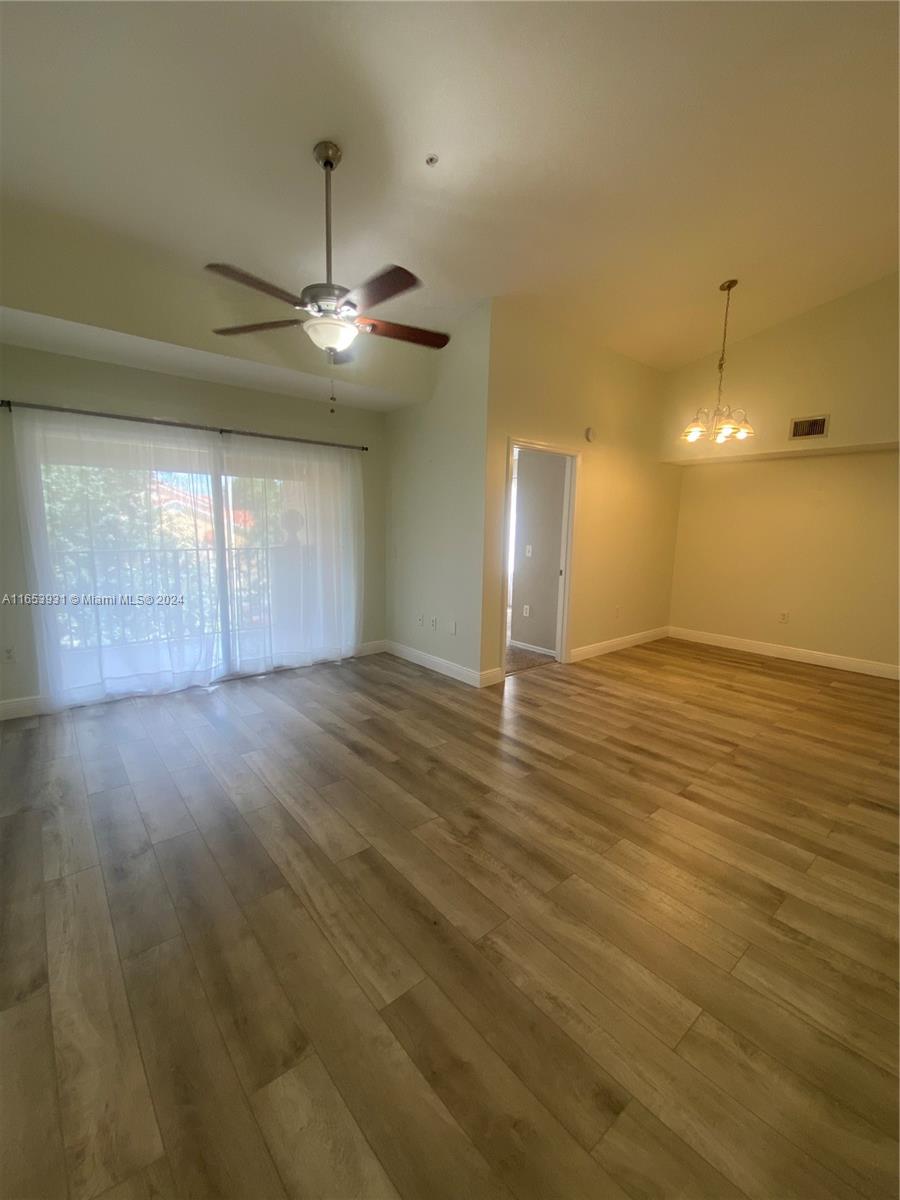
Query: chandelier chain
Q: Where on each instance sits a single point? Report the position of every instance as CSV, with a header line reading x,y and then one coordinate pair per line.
x,y
724,340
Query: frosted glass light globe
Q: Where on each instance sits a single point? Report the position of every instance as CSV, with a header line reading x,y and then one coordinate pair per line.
x,y
330,333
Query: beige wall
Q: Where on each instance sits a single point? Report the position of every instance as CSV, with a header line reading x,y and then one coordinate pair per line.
x,y
436,504
545,387
540,501
37,377
811,529
814,537
839,358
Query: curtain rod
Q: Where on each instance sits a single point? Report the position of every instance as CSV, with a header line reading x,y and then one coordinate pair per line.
x,y
84,412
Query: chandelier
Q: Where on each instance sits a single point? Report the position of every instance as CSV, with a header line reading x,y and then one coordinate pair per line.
x,y
724,423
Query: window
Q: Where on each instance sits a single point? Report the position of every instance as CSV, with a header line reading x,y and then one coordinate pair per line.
x,y
182,556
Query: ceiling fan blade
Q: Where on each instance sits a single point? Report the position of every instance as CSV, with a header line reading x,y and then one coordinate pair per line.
x,y
230,330
384,286
253,281
403,333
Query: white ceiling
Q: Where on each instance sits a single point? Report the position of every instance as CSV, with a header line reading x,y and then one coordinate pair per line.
x,y
618,158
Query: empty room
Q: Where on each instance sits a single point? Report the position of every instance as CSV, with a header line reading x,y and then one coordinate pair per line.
x,y
448,600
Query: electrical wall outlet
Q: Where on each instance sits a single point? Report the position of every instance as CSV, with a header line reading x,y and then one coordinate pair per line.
x,y
528,550
9,654
783,618
434,624
420,618
526,610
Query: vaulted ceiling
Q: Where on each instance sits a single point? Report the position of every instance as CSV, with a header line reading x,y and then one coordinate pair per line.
x,y
614,160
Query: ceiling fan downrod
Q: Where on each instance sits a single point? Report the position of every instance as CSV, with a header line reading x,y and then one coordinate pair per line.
x,y
327,155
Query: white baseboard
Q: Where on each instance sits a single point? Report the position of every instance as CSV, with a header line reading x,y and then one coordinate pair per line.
x,y
23,706
533,649
489,678
837,662
370,648
443,666
619,643
31,706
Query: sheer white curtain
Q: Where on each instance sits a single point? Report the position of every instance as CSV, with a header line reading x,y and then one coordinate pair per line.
x,y
293,533
181,556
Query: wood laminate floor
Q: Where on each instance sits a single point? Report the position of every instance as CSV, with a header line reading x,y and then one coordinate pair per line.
x,y
619,929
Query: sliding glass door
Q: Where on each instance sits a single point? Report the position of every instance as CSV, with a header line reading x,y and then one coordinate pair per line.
x,y
164,557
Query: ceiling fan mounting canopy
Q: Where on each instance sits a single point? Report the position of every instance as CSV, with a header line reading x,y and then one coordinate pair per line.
x,y
327,154
333,312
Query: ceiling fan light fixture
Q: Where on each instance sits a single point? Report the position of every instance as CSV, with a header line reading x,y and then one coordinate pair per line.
x,y
331,333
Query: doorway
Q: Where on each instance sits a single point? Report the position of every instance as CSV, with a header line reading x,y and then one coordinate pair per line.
x,y
536,564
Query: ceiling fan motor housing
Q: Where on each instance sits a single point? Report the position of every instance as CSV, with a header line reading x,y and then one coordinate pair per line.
x,y
327,299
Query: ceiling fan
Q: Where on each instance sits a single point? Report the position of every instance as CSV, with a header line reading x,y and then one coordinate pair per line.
x,y
333,317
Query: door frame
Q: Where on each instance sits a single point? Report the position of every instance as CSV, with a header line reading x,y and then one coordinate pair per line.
x,y
562,650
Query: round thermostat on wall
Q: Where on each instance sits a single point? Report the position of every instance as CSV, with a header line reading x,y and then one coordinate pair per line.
x,y
589,434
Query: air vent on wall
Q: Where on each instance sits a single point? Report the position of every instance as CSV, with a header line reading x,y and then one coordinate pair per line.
x,y
809,427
